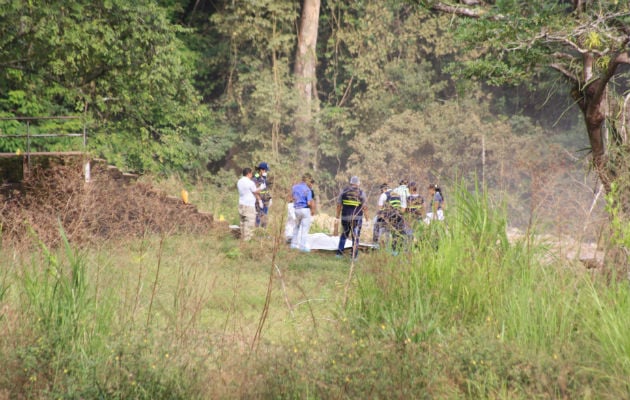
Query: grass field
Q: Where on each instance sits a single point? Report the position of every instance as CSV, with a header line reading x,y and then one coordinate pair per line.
x,y
463,314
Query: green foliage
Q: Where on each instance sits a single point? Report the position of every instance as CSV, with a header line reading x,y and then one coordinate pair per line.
x,y
620,225
513,40
608,306
60,299
385,55
69,325
472,274
482,221
465,316
118,64
258,39
444,141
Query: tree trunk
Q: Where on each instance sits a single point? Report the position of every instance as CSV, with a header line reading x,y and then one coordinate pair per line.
x,y
305,83
593,108
593,103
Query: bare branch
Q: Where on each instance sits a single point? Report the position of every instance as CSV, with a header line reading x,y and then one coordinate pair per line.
x,y
565,39
457,10
530,43
570,75
621,58
563,56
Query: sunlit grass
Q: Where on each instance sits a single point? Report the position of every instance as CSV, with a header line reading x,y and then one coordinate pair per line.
x,y
461,314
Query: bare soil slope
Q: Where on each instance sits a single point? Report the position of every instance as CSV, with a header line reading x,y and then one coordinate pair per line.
x,y
111,205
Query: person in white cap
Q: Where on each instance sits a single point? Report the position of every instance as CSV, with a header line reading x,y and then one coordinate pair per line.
x,y
351,208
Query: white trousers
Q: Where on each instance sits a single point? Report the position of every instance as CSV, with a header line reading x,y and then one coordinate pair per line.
x,y
302,226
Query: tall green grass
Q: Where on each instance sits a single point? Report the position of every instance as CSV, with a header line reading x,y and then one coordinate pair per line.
x,y
464,285
71,334
465,313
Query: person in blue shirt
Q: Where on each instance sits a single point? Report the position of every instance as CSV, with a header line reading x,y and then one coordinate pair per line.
x,y
303,203
351,208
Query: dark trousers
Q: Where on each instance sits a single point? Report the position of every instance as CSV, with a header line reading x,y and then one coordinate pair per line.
x,y
379,228
261,216
350,228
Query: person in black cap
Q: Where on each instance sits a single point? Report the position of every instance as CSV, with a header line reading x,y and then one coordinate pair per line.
x,y
262,205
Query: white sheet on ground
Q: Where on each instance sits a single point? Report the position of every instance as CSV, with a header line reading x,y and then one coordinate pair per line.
x,y
321,241
317,241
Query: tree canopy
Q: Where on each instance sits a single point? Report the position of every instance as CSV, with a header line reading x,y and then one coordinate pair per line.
x,y
587,42
119,64
203,88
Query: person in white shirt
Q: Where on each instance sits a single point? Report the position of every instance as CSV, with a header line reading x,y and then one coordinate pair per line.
x,y
379,221
403,191
248,195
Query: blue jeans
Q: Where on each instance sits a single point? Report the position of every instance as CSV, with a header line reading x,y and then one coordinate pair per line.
x,y
350,228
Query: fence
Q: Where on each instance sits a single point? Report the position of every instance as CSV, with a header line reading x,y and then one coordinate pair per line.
x,y
30,136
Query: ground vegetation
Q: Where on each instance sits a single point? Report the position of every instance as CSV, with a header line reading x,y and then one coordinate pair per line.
x,y
463,313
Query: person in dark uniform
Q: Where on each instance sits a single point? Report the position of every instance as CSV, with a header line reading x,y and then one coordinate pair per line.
x,y
415,205
351,208
395,221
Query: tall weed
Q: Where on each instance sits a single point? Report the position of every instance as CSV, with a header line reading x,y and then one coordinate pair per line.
x,y
462,314
464,284
68,326
59,296
608,321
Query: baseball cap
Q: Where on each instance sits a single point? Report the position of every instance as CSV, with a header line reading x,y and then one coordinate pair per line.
x,y
355,180
263,165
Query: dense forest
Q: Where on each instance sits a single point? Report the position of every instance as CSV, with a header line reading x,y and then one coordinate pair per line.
x,y
525,97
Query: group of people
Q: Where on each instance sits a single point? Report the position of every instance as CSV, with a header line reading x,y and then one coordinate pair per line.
x,y
399,210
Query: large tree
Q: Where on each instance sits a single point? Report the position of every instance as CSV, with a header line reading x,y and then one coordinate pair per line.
x,y
305,71
585,41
